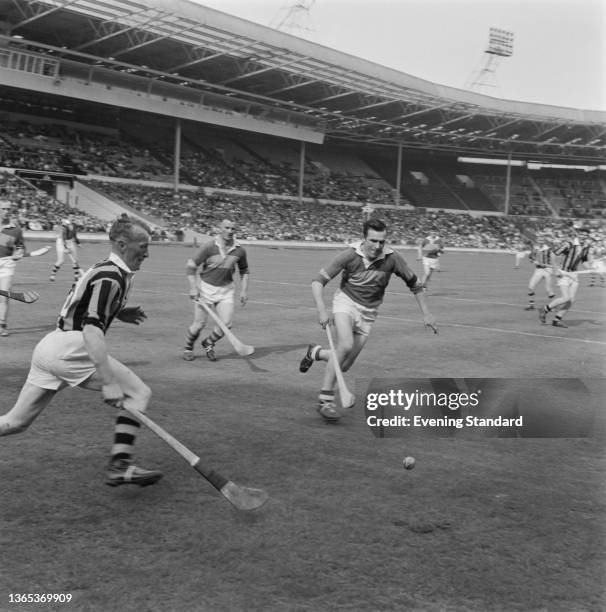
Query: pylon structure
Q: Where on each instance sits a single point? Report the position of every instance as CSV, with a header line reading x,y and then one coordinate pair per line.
x,y
295,18
484,78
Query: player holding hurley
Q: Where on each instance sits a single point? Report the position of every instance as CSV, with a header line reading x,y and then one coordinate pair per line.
x,y
366,268
429,253
12,248
75,353
542,257
67,244
218,259
574,255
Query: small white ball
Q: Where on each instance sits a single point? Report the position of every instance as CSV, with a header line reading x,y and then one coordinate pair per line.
x,y
409,463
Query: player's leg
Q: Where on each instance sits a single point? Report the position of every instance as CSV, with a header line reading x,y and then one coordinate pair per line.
x,y
561,302
548,283
571,294
193,331
343,324
31,402
6,280
58,262
532,283
137,395
426,272
225,312
359,341
72,253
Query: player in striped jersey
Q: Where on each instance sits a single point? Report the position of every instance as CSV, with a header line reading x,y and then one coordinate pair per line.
x,y
75,353
218,259
574,255
542,257
12,248
598,253
67,244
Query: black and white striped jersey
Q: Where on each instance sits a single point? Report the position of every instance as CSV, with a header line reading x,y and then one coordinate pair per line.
x,y
97,297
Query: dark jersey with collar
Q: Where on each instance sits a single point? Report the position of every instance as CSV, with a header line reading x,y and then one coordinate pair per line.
x,y
364,281
68,232
218,264
96,298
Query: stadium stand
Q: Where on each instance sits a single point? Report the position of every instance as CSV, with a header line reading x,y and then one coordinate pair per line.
x,y
37,210
258,179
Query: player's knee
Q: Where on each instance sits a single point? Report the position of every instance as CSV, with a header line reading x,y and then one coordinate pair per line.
x,y
344,349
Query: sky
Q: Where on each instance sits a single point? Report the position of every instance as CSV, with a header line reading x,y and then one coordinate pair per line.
x,y
559,48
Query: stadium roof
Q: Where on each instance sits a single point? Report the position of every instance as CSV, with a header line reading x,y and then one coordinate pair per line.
x,y
349,99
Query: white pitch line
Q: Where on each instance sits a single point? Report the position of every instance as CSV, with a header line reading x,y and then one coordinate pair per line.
x,y
592,312
487,302
504,331
463,325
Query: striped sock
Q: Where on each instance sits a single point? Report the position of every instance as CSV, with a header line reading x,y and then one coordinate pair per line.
x,y
190,339
531,298
76,272
55,269
326,395
215,336
124,436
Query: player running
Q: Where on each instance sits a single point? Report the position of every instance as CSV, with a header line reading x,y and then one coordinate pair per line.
x,y
429,252
12,248
542,257
598,253
219,257
67,244
75,353
366,269
573,256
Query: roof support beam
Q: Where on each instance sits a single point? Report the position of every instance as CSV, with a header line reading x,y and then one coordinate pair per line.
x,y
265,69
301,83
41,14
206,56
333,97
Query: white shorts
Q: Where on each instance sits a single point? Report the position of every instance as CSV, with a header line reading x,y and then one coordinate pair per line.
x,y
60,358
361,316
540,274
213,295
431,262
68,247
7,267
568,279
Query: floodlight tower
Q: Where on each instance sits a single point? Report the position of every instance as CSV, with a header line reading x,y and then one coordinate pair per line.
x,y
500,45
294,18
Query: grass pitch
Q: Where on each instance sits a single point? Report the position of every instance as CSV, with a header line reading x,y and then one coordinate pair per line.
x,y
478,525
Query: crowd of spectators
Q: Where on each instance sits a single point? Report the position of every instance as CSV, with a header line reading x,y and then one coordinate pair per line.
x,y
54,147
57,148
38,211
261,218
